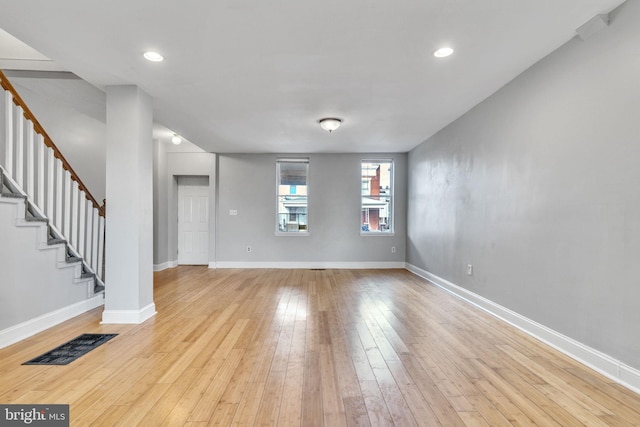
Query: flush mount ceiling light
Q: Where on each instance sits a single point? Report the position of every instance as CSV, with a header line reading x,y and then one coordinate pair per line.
x,y
443,52
175,139
153,56
330,124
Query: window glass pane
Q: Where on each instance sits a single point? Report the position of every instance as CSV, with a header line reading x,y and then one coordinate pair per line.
x,y
376,196
293,173
292,197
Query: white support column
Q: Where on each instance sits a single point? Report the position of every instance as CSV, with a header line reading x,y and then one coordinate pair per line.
x,y
129,250
8,132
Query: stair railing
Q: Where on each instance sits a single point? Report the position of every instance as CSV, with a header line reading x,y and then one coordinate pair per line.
x,y
53,189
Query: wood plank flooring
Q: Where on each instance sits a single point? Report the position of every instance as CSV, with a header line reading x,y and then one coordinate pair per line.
x,y
312,348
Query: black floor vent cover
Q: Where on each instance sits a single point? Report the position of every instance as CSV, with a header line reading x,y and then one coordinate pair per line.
x,y
70,351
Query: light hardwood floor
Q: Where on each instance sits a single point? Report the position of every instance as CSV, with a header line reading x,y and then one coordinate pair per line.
x,y
312,348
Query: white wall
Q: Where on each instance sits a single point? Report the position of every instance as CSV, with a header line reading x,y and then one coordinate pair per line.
x,y
537,187
247,184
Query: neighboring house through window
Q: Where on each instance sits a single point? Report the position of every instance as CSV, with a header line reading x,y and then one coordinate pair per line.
x,y
376,197
292,196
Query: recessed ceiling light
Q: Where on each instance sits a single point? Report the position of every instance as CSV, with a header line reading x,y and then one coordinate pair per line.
x,y
153,56
443,52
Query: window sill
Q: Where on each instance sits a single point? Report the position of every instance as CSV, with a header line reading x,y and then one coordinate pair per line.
x,y
377,234
292,233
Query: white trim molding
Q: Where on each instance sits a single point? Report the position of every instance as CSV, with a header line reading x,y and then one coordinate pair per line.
x,y
165,265
606,365
31,327
128,316
310,264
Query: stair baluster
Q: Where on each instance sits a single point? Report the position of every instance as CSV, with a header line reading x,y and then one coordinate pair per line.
x,y
8,132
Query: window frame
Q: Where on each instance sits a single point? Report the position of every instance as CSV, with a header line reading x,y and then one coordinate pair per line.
x,y
390,196
298,233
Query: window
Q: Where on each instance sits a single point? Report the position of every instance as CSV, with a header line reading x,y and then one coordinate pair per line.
x,y
292,196
376,208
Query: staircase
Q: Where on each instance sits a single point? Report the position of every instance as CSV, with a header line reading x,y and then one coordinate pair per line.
x,y
50,198
48,237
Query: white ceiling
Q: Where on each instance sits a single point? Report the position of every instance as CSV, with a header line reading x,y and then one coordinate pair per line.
x,y
256,76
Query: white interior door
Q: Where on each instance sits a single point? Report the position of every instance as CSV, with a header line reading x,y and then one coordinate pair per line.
x,y
193,220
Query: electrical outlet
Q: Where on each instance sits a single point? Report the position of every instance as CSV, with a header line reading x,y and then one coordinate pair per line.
x,y
248,248
470,269
233,212
393,249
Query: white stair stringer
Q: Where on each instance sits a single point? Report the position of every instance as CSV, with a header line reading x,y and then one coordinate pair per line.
x,y
15,191
61,251
39,288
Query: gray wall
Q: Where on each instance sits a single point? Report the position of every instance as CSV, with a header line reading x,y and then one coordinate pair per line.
x,y
537,187
129,219
247,183
74,115
160,204
25,268
170,162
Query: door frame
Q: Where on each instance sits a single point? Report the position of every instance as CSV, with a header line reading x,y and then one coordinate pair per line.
x,y
204,184
172,220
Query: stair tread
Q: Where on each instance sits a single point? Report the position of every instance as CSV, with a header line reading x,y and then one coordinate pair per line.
x,y
36,219
73,259
13,196
56,241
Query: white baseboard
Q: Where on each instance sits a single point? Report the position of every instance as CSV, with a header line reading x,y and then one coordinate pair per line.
x,y
165,265
31,327
128,316
308,265
608,366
